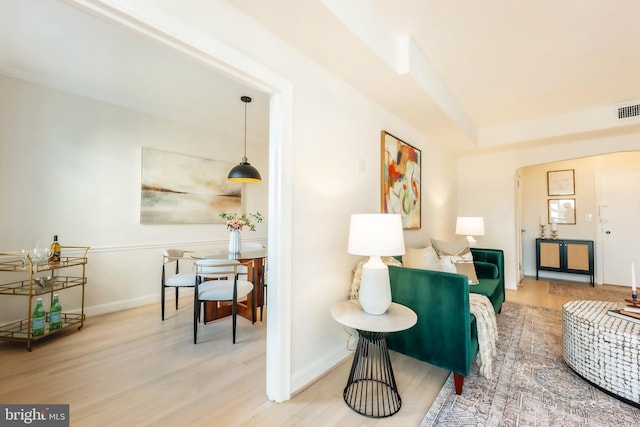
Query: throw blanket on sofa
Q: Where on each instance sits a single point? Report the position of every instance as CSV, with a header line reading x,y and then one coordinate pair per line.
x,y
482,309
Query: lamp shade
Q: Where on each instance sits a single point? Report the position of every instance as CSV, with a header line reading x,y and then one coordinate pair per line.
x,y
376,234
244,172
470,226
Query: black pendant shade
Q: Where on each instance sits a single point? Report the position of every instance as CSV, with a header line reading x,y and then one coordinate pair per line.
x,y
244,172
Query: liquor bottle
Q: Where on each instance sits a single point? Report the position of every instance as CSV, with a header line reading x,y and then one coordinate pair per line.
x,y
54,250
55,314
38,319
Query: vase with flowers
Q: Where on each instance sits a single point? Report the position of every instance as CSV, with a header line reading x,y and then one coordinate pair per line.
x,y
236,223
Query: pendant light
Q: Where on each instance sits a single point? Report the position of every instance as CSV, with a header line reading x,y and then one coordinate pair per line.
x,y
244,172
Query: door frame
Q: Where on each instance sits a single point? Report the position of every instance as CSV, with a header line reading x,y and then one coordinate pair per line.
x,y
150,22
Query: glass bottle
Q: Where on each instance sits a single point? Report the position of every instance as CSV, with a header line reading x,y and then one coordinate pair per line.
x,y
55,314
38,319
54,250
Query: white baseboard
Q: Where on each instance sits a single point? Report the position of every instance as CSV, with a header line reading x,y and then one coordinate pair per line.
x,y
311,373
121,305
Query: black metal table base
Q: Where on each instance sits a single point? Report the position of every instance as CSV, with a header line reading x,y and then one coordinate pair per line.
x,y
371,389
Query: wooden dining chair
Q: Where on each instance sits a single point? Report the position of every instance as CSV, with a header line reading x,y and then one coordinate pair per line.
x,y
218,280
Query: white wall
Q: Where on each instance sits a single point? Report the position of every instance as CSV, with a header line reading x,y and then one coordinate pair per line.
x,y
535,201
71,166
487,187
336,151
336,147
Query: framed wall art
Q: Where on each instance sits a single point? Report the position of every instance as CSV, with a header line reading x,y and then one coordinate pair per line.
x,y
180,189
401,180
562,211
561,183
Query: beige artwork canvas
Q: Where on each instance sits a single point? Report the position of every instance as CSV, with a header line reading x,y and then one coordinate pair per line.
x,y
182,189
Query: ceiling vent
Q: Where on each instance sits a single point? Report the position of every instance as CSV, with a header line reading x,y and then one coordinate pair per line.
x,y
629,111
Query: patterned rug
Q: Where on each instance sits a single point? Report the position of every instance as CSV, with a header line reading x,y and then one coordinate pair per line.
x,y
586,291
531,384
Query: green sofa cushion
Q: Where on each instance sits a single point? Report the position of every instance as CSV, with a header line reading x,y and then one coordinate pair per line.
x,y
491,289
486,270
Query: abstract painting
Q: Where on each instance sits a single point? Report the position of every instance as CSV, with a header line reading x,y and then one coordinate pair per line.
x,y
181,189
401,186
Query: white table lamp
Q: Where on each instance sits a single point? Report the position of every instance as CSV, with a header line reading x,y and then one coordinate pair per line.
x,y
375,235
470,226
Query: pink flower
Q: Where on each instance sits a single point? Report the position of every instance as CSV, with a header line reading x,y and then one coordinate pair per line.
x,y
235,224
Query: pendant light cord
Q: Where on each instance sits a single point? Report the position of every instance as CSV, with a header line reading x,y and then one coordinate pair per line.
x,y
245,131
246,100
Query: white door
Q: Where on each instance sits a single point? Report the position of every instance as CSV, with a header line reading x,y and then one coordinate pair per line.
x,y
618,199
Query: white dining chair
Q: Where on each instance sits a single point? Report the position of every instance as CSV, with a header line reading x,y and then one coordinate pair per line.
x,y
218,280
172,277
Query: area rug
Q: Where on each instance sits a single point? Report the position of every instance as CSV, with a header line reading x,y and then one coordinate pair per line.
x,y
586,291
531,385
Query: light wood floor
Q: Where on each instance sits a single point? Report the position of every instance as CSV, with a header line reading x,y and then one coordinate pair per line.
x,y
131,369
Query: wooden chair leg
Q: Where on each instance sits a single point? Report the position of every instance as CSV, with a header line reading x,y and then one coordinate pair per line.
x,y
458,380
176,298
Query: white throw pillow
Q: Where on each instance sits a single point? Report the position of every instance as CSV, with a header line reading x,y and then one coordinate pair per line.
x,y
447,265
460,257
450,248
423,258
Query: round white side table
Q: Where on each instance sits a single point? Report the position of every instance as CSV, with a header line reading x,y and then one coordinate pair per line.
x,y
371,389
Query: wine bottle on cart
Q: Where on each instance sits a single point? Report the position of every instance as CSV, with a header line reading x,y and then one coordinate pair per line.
x,y
54,250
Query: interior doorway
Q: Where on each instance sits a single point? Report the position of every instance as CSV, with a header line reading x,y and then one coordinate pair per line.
x,y
618,206
602,204
155,24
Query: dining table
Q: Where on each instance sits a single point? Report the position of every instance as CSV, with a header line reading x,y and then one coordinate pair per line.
x,y
216,310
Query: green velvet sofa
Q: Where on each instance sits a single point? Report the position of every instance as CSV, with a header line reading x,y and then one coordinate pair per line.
x,y
445,334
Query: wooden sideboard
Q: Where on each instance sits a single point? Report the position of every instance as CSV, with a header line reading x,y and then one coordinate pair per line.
x,y
565,256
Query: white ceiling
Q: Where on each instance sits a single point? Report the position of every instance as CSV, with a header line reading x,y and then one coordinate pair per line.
x,y
481,69
50,43
469,74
